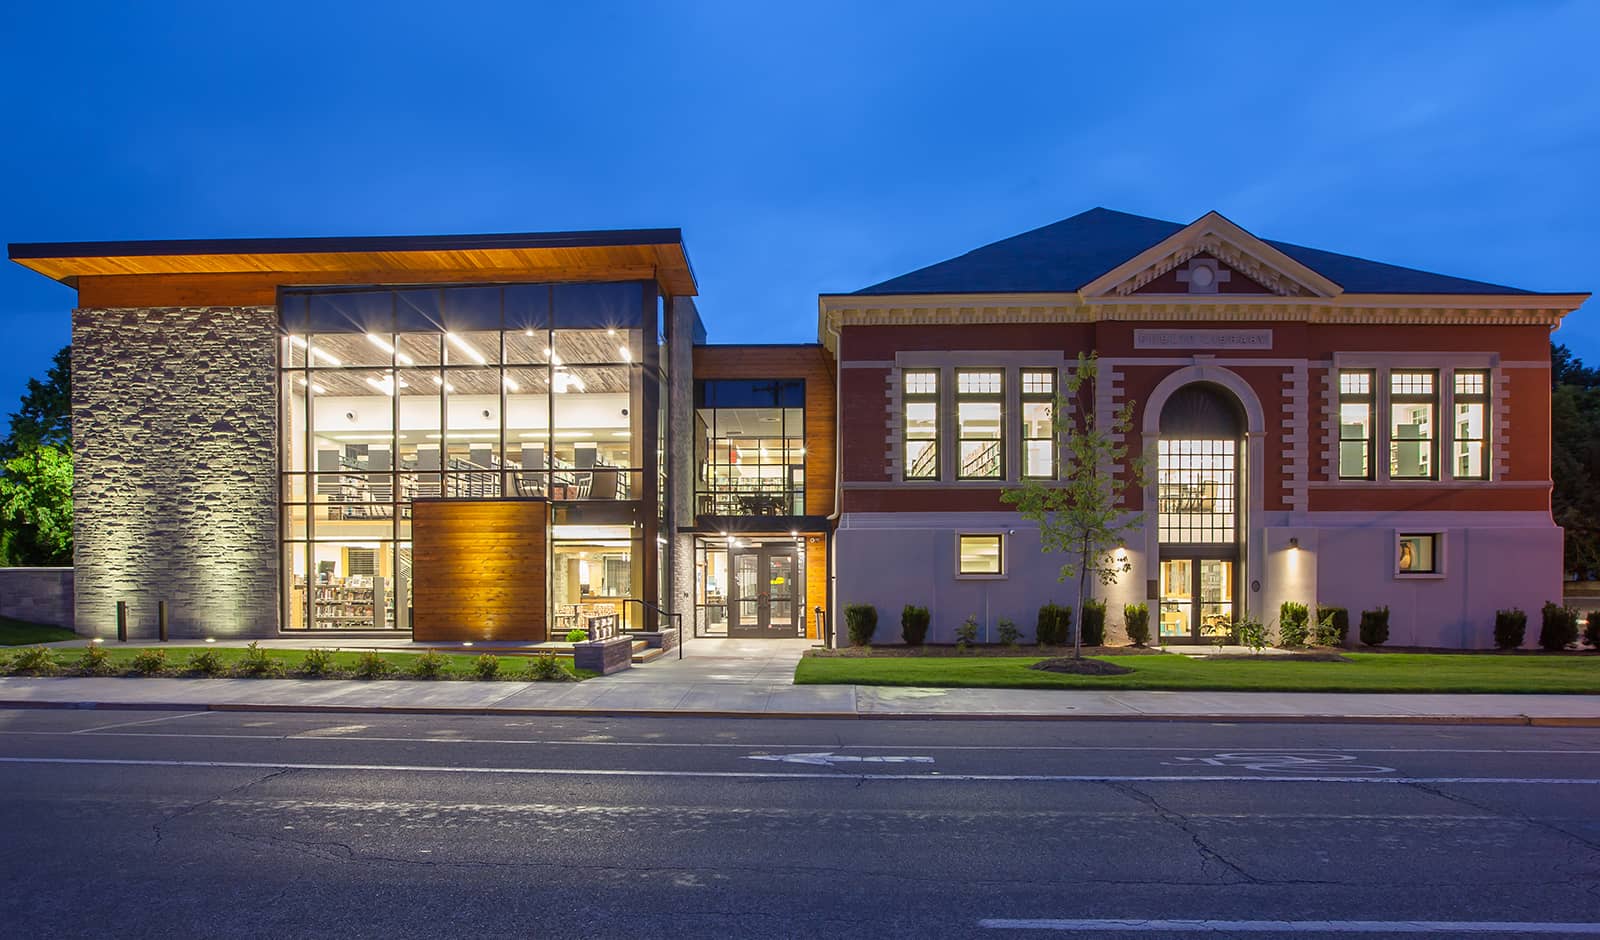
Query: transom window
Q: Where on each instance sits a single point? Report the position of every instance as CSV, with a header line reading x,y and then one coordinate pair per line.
x,y
980,408
1413,429
1038,424
920,404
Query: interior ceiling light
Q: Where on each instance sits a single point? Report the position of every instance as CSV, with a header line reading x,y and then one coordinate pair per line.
x,y
511,385
442,383
466,349
387,347
626,356
611,331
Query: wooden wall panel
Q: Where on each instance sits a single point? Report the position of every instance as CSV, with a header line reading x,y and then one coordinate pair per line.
x,y
478,569
816,582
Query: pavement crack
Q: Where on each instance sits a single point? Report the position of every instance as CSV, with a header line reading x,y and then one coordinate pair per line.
x,y
160,824
1181,822
1498,813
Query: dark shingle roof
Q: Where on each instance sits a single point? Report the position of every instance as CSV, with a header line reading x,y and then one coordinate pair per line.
x,y
1064,256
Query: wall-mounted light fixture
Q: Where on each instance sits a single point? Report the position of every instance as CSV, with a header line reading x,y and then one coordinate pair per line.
x,y
1294,544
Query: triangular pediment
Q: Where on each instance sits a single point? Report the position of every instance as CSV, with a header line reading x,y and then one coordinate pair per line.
x,y
1209,257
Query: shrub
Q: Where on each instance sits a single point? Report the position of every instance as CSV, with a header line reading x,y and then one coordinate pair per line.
x,y
1591,629
36,661
862,622
914,625
371,665
1558,627
257,663
317,663
1136,617
1332,626
149,662
1292,624
205,663
1248,631
1094,623
5,664
95,661
486,666
1055,622
1009,634
1510,626
545,667
430,665
967,633
577,635
1375,626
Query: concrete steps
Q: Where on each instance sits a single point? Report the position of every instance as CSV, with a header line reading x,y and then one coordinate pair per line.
x,y
644,652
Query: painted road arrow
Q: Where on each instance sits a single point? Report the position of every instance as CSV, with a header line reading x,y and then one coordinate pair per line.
x,y
828,759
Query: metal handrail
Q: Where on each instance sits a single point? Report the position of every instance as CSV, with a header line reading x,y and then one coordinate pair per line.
x,y
676,618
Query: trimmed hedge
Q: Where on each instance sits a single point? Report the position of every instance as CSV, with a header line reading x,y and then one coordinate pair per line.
x,y
1591,629
1332,627
862,622
1375,626
1055,623
1094,623
1510,627
1558,627
914,624
1136,617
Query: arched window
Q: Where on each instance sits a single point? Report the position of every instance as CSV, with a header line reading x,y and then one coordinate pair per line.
x,y
1197,479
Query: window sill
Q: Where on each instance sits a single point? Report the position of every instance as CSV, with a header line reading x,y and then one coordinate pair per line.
x,y
980,577
1419,576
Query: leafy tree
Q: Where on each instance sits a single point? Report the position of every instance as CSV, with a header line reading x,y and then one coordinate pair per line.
x,y
1567,369
36,507
46,413
1575,462
1081,514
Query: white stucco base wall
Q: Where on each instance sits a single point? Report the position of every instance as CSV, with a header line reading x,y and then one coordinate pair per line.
x,y
1490,561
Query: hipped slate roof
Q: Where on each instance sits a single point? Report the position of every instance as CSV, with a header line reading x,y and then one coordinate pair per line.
x,y
1064,256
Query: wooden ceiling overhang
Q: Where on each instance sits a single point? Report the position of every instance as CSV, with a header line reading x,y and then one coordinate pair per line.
x,y
249,271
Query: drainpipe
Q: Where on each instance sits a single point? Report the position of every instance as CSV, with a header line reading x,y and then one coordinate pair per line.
x,y
838,483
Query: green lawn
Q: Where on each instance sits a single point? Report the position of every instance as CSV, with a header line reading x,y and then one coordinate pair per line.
x,y
22,633
460,666
1366,672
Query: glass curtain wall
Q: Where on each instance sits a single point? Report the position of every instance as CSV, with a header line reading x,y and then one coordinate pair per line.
x,y
750,447
394,395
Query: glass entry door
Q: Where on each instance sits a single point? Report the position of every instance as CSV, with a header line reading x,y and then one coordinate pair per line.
x,y
763,601
1197,599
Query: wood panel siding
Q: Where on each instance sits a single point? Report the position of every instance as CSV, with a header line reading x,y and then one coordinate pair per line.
x,y
478,569
816,582
810,362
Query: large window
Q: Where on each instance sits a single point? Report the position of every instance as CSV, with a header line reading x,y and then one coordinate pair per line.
x,y
920,401
750,447
1197,490
390,396
1472,424
1413,429
1038,427
980,423
1355,424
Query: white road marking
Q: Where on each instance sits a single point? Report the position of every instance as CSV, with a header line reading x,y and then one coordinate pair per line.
x,y
145,721
1282,761
790,775
1227,927
828,759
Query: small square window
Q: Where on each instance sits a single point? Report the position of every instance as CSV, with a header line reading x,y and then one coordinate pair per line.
x,y
1038,382
979,555
1355,383
977,383
922,382
1418,554
1469,383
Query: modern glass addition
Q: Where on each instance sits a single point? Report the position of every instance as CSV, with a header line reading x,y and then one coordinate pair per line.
x,y
393,395
750,447
1355,424
920,420
980,424
1413,429
1471,430
1037,397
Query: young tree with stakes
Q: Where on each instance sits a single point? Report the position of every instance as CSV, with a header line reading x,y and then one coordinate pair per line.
x,y
1081,513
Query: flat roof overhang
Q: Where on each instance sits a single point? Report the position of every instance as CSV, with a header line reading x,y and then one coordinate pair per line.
x,y
630,254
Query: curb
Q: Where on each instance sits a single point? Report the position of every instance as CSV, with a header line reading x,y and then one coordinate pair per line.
x,y
462,711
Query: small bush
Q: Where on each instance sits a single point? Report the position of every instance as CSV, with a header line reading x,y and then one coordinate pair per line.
x,y
914,624
1094,623
486,666
149,662
430,665
257,663
1332,626
317,663
545,667
1009,634
1375,626
861,620
1293,624
1558,627
372,665
1248,631
35,661
205,663
1510,626
95,661
1136,619
967,633
1055,622
576,635
1591,629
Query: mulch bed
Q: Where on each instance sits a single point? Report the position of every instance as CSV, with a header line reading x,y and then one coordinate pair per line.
x,y
1080,667
1307,656
936,650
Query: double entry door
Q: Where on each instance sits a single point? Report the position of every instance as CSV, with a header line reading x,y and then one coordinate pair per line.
x,y
1197,598
763,599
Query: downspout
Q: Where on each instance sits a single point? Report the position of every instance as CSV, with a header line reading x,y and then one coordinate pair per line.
x,y
838,486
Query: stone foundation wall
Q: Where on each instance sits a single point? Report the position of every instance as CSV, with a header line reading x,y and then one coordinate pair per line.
x,y
174,429
37,595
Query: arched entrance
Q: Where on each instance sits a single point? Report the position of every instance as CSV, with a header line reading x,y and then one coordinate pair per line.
x,y
1200,484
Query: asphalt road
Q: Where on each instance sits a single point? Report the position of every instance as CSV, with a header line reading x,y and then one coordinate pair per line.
x,y
165,824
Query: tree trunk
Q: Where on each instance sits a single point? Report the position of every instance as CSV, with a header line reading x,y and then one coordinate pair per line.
x,y
1083,587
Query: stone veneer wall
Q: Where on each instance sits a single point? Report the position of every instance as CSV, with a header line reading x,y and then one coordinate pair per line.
x,y
37,595
174,431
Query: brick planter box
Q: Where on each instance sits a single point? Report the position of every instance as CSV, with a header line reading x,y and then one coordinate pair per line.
x,y
603,656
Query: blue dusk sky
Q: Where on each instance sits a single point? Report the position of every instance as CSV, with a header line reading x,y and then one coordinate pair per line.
x,y
804,148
